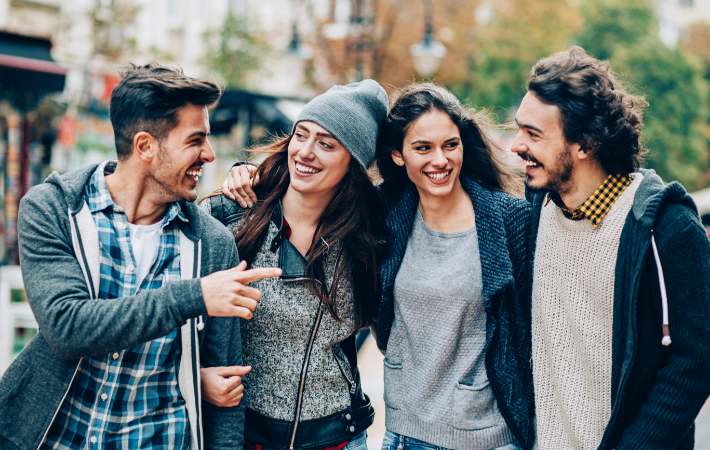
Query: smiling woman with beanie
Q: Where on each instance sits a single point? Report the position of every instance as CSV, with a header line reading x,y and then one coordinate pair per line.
x,y
315,221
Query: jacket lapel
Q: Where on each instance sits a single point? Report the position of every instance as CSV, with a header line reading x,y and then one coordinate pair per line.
x,y
399,223
496,268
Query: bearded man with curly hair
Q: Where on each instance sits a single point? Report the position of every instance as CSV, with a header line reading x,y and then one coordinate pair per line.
x,y
621,264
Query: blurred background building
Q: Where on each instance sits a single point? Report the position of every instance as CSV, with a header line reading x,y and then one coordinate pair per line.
x,y
60,60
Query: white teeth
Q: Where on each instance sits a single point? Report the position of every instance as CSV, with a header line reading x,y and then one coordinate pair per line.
x,y
438,176
530,163
302,168
195,173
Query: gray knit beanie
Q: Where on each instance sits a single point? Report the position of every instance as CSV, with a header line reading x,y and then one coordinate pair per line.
x,y
352,114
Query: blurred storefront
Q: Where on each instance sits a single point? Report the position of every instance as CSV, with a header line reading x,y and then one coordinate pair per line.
x,y
27,74
27,123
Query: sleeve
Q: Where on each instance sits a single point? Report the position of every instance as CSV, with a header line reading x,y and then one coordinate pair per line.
x,y
223,427
73,324
683,384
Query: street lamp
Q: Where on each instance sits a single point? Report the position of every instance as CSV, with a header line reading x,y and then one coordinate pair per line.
x,y
295,48
427,55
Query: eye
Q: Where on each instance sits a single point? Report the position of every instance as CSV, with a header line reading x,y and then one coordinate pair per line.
x,y
421,148
300,135
326,145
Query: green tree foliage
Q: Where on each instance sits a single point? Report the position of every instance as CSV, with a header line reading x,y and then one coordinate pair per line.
x,y
676,121
515,35
236,50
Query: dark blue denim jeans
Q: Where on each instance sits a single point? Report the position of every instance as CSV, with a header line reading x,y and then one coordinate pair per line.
x,y
394,441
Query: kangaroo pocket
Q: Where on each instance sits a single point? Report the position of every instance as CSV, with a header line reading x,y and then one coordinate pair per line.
x,y
474,407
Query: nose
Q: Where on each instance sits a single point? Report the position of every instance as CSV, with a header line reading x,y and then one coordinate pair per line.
x,y
207,153
518,145
307,151
439,158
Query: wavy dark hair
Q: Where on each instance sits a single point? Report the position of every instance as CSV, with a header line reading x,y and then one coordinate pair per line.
x,y
482,156
349,219
596,111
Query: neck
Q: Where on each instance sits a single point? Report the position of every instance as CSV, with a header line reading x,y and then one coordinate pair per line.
x,y
447,213
585,180
305,209
130,188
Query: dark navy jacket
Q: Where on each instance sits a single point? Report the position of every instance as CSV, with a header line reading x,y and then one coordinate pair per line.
x,y
503,226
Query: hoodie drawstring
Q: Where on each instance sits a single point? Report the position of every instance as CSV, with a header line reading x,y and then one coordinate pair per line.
x,y
200,325
664,298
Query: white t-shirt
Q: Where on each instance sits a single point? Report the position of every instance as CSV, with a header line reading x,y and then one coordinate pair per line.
x,y
144,243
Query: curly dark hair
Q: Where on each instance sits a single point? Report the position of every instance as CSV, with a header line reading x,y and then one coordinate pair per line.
x,y
597,112
482,158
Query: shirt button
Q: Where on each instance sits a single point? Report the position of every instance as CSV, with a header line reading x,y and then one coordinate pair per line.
x,y
115,356
121,225
104,396
130,268
93,439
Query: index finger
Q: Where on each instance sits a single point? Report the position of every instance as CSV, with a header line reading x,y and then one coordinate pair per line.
x,y
247,276
247,183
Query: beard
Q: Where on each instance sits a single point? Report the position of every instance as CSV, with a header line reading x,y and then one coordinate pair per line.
x,y
168,180
559,175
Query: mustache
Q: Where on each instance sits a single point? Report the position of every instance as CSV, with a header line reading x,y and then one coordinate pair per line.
x,y
528,157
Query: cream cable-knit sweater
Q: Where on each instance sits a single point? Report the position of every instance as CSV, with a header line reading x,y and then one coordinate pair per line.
x,y
572,312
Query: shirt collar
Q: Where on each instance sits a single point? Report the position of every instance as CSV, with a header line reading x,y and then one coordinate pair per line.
x,y
98,197
596,207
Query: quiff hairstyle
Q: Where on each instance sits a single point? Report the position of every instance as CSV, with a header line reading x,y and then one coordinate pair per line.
x,y
149,98
596,111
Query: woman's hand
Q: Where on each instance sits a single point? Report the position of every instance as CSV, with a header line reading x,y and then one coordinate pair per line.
x,y
222,386
238,185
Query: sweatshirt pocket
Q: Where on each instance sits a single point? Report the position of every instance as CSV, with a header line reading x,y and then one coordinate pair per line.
x,y
394,396
474,407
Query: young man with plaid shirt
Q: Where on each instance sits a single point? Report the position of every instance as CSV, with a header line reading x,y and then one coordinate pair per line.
x,y
121,270
621,264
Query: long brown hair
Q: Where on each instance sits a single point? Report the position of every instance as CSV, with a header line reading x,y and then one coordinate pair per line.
x,y
350,219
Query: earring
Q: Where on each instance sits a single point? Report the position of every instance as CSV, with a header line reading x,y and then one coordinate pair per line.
x,y
399,163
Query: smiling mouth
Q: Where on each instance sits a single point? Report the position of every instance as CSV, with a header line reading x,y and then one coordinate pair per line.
x,y
305,169
529,162
195,174
438,176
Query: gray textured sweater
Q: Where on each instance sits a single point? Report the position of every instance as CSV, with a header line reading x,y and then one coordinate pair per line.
x,y
436,386
275,340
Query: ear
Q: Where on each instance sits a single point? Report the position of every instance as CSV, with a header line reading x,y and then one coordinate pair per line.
x,y
581,153
145,146
397,157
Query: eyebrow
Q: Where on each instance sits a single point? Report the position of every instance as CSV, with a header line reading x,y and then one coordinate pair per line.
x,y
531,127
197,133
320,133
422,141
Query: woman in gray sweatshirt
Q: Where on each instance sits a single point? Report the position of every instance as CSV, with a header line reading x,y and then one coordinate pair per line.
x,y
314,222
455,282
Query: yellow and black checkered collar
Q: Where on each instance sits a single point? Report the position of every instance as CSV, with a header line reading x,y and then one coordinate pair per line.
x,y
598,204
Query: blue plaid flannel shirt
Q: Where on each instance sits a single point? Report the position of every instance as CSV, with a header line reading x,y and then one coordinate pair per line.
x,y
128,399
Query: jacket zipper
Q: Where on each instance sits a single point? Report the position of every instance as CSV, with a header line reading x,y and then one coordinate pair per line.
x,y
303,373
351,384
60,404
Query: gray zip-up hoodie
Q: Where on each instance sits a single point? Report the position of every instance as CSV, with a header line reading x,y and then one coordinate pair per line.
x,y
59,254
